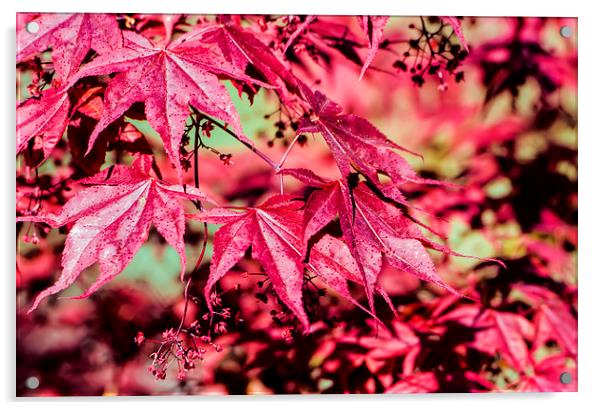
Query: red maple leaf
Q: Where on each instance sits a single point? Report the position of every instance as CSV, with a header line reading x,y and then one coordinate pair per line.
x,y
167,79
157,24
273,231
425,382
332,261
357,144
46,117
71,37
547,376
372,228
111,220
374,28
393,343
553,319
247,55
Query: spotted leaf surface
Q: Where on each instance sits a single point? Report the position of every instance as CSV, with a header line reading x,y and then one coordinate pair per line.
x,y
46,117
111,220
167,79
272,231
357,145
372,228
71,37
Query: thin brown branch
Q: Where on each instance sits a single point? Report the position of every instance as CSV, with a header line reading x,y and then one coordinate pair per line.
x,y
242,139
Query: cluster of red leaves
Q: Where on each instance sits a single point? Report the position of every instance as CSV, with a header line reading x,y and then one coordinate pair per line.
x,y
343,233
171,77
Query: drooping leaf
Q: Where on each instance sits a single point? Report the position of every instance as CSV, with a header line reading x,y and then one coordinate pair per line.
x,y
331,260
111,220
273,231
46,117
356,144
372,228
246,55
374,28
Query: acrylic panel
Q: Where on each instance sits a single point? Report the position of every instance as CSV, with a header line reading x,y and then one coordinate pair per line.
x,y
295,204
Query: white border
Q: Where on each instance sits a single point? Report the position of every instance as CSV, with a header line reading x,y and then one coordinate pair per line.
x,y
352,7
590,204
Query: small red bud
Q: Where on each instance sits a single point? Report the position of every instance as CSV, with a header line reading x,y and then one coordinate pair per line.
x,y
139,339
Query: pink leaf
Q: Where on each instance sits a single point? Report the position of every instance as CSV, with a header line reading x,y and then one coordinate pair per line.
x,y
498,332
553,319
167,80
302,27
374,28
46,117
356,144
241,50
71,37
331,260
546,376
111,221
415,383
272,231
373,230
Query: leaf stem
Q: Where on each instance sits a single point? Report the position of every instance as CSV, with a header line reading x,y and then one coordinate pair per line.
x,y
186,301
199,205
196,153
288,150
283,159
197,145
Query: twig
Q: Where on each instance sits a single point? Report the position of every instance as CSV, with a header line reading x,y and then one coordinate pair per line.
x,y
244,140
186,288
199,205
197,144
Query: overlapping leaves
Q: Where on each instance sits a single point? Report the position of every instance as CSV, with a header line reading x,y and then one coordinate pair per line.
x,y
169,77
273,231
